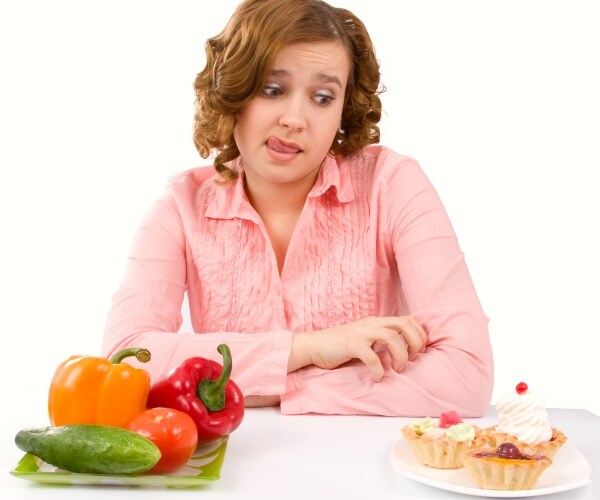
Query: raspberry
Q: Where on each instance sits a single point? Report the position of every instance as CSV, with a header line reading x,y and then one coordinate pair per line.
x,y
449,418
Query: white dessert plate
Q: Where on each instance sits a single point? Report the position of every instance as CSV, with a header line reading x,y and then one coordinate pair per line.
x,y
569,470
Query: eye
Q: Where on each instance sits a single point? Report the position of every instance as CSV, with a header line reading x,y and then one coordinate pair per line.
x,y
323,98
272,90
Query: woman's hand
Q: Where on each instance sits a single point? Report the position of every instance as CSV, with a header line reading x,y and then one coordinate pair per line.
x,y
403,336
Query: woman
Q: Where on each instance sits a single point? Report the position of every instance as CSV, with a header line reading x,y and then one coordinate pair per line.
x,y
327,264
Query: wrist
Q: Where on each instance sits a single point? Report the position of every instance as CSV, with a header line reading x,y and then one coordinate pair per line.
x,y
300,355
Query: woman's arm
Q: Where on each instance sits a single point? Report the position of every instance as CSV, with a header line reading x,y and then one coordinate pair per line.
x,y
403,337
452,374
456,370
146,311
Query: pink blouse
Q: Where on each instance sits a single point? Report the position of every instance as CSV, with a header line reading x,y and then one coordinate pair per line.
x,y
373,239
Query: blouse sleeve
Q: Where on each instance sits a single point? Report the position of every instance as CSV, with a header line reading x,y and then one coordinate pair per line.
x,y
146,312
456,371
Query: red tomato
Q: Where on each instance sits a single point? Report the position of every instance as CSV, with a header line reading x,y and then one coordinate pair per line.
x,y
173,431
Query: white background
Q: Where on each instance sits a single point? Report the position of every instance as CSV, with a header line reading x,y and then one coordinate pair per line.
x,y
498,100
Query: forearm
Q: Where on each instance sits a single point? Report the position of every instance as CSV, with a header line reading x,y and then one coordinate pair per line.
x,y
436,381
146,318
169,349
455,372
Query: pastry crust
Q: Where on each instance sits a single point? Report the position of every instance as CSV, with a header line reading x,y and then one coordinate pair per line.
x,y
494,439
441,453
495,473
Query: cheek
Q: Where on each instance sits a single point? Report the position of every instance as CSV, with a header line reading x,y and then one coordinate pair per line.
x,y
236,135
242,118
329,128
250,120
334,119
240,130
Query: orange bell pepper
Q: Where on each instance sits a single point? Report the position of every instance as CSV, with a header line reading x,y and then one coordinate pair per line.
x,y
90,390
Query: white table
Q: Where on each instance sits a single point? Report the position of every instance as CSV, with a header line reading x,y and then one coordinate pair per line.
x,y
310,456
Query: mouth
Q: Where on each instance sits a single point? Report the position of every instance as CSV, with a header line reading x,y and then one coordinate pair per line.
x,y
280,146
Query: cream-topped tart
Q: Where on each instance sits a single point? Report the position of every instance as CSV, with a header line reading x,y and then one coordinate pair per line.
x,y
441,443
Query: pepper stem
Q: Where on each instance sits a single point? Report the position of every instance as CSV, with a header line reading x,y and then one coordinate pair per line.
x,y
212,392
141,354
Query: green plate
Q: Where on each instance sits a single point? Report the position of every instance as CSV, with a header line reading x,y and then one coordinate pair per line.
x,y
204,467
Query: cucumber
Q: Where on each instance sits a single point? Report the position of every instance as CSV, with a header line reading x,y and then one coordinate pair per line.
x,y
90,448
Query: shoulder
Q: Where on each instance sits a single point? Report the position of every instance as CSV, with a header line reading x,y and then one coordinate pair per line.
x,y
381,159
189,191
193,177
385,167
192,185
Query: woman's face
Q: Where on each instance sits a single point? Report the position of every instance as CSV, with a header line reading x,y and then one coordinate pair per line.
x,y
284,133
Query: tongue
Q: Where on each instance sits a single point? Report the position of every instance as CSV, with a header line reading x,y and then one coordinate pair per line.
x,y
277,145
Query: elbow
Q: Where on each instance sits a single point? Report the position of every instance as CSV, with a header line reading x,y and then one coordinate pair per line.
x,y
470,366
463,381
478,384
480,400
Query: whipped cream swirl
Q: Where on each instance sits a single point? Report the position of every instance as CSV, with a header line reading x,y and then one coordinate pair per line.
x,y
524,416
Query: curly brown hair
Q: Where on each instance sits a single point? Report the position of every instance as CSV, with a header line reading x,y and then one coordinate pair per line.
x,y
239,59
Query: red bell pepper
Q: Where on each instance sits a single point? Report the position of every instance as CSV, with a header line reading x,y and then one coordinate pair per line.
x,y
202,388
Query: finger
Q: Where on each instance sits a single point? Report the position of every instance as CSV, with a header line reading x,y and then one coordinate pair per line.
x,y
420,330
398,348
411,330
414,341
371,360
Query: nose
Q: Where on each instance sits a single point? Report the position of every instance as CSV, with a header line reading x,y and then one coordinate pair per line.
x,y
293,113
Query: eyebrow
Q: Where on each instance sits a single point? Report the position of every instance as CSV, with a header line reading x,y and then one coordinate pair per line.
x,y
322,77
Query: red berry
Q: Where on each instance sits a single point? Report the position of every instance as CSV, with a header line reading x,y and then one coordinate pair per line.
x,y
449,418
522,388
508,450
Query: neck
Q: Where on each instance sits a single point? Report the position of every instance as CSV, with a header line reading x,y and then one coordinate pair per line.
x,y
285,198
